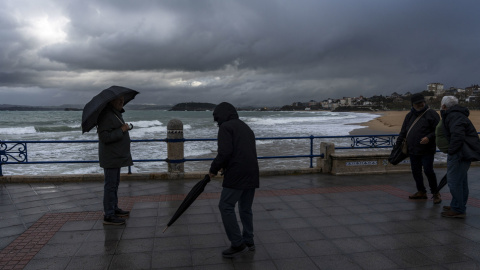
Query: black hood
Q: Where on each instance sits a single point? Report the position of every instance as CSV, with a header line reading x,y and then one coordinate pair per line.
x,y
456,108
224,112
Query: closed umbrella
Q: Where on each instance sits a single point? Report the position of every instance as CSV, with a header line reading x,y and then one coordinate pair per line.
x,y
189,199
94,107
442,183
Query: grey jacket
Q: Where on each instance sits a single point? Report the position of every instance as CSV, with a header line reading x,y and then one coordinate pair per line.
x,y
461,134
114,144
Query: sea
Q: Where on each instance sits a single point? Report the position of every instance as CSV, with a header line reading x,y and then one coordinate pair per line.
x,y
148,125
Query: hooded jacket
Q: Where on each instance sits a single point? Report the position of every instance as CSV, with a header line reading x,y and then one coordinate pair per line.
x,y
461,134
425,127
114,144
237,154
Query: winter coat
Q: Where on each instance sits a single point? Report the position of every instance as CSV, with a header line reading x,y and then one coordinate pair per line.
x,y
114,144
425,127
461,133
237,154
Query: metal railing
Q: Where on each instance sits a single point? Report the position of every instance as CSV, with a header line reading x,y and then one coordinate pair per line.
x,y
16,152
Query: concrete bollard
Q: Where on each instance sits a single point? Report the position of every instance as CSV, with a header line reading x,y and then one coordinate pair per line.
x,y
175,147
325,163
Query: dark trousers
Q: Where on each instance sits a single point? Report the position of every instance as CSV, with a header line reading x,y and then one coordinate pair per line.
x,y
425,161
110,190
228,200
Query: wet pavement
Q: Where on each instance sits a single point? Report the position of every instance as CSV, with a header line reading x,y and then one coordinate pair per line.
x,y
311,221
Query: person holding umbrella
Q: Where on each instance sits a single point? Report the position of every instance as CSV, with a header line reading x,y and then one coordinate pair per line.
x,y
237,160
105,112
463,148
114,153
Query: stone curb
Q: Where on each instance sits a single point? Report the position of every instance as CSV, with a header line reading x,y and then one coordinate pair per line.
x,y
134,177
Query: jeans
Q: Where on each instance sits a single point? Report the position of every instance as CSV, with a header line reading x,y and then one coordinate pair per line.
x,y
425,161
457,179
110,189
226,205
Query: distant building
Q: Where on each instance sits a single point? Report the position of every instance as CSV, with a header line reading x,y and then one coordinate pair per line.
x,y
472,90
437,88
297,104
472,99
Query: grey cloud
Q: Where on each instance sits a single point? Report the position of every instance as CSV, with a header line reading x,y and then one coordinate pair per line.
x,y
263,52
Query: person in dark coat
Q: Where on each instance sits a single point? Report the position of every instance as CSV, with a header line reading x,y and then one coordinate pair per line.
x,y
237,160
421,145
114,153
463,148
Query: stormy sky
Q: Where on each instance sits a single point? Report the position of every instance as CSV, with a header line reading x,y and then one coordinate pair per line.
x,y
247,52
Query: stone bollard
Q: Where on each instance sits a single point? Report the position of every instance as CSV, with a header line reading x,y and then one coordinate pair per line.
x,y
175,146
325,163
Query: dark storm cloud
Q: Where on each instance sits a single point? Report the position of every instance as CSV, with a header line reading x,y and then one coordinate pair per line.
x,y
248,52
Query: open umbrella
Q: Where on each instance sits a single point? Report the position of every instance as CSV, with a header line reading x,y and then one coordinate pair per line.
x,y
189,199
94,107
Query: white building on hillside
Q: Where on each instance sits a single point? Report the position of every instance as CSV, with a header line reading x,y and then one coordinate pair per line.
x,y
437,88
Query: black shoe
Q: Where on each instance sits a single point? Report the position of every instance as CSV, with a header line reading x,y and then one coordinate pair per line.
x,y
251,247
232,251
113,220
121,213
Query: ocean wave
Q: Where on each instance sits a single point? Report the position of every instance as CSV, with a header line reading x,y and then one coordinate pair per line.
x,y
142,133
45,129
271,121
146,124
18,130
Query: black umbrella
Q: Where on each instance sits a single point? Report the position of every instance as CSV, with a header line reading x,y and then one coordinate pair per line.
x,y
442,183
94,107
189,199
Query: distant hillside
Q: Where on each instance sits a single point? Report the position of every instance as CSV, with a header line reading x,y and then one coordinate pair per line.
x,y
76,107
357,108
193,106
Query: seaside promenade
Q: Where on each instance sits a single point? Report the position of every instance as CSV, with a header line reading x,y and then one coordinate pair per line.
x,y
305,221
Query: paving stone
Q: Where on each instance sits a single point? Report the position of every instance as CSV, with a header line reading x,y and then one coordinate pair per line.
x,y
314,221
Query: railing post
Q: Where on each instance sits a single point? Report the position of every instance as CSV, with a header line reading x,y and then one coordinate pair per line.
x,y
175,146
326,162
311,151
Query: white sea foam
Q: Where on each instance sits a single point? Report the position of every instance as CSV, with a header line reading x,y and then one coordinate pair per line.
x,y
143,133
17,130
146,124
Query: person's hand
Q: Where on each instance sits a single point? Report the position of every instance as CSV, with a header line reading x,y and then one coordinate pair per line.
x,y
211,175
125,127
424,140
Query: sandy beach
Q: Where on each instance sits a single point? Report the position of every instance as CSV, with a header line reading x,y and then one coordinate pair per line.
x,y
390,122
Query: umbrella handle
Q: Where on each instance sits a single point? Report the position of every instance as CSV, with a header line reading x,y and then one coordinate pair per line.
x,y
130,126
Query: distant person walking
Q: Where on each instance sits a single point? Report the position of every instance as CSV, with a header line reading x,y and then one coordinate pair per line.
x,y
419,130
463,148
114,153
237,159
